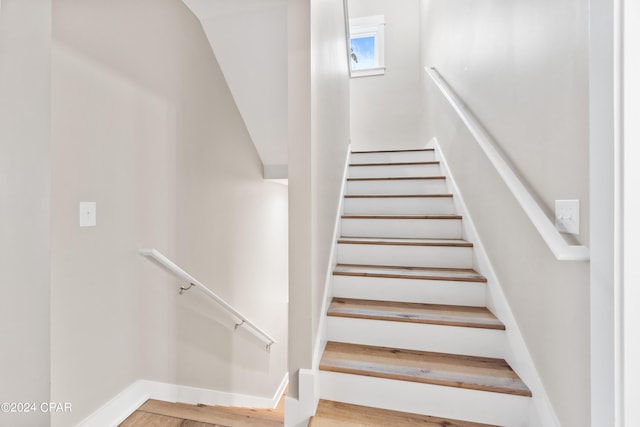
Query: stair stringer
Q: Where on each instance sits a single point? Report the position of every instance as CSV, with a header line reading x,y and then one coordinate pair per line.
x,y
516,351
321,337
299,411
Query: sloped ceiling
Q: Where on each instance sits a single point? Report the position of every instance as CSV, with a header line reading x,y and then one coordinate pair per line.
x,y
249,40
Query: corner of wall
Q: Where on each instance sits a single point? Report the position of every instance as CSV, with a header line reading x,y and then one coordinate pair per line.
x,y
298,411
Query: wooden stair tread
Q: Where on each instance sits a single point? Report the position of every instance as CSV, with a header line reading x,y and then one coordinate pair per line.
x,y
409,150
419,273
216,415
338,414
399,196
404,241
435,314
396,164
448,216
399,178
469,372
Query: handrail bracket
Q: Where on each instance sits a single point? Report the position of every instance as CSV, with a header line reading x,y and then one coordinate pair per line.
x,y
184,289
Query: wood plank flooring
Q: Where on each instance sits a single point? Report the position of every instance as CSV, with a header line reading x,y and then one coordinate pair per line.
x,y
453,370
156,413
435,314
338,414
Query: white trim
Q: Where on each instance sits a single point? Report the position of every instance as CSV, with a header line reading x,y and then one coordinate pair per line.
x,y
298,411
127,401
368,72
321,337
367,21
369,26
631,212
560,248
605,166
516,352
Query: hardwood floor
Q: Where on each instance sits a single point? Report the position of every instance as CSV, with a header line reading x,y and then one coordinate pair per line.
x,y
156,413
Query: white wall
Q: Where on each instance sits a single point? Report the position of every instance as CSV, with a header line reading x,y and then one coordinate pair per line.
x,y
25,148
249,39
145,125
112,314
385,110
522,70
318,141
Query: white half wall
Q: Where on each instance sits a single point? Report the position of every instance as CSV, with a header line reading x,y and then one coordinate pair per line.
x,y
318,144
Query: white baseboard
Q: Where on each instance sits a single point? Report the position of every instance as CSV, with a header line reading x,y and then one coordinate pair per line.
x,y
127,401
517,353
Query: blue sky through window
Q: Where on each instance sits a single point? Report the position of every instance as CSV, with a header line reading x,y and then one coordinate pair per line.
x,y
363,48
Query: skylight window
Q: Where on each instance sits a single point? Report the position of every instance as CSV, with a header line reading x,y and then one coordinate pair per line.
x,y
366,55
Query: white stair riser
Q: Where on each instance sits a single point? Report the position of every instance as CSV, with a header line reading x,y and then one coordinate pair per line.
x,y
393,157
409,228
399,255
439,401
394,170
417,336
399,206
410,290
409,186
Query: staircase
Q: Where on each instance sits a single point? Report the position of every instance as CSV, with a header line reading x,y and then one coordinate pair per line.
x,y
408,332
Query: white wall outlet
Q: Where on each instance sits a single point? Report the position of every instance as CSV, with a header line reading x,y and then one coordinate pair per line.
x,y
568,216
87,214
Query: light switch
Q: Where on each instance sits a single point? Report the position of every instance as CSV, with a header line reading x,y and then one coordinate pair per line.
x,y
568,216
87,214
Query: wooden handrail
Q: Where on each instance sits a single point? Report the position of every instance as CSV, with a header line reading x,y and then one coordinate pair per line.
x,y
557,244
173,268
